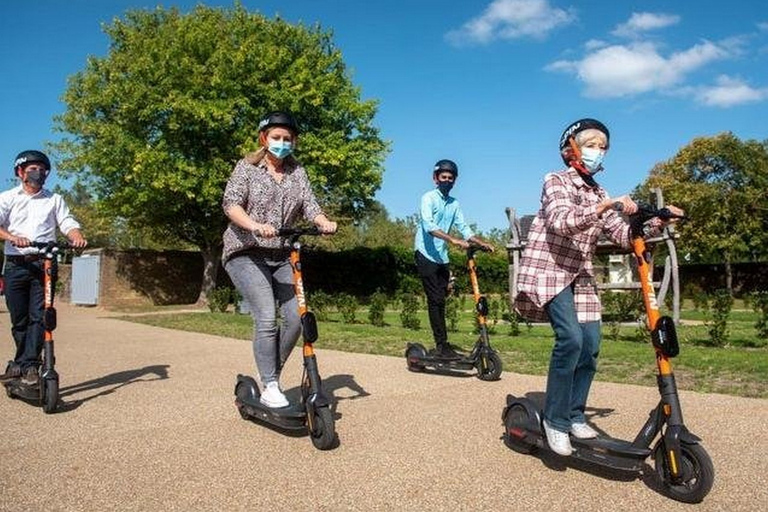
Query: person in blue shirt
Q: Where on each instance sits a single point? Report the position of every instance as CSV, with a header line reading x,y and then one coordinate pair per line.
x,y
438,215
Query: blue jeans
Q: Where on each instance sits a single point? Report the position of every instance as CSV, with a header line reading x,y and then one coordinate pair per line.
x,y
265,283
24,298
573,363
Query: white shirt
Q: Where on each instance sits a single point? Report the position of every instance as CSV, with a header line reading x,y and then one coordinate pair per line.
x,y
34,217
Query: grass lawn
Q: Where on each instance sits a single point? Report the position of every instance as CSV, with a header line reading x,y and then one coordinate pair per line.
x,y
739,369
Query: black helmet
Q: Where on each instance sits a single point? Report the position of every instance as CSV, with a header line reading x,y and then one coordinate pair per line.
x,y
278,118
446,165
579,126
31,155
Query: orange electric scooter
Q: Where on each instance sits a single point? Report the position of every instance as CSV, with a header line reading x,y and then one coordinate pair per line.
x,y
46,392
314,412
682,465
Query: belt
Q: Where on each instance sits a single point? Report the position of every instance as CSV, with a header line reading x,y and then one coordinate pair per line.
x,y
23,258
267,253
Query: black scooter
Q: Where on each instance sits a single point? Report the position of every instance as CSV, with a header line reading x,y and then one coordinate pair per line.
x,y
313,413
482,357
682,465
46,391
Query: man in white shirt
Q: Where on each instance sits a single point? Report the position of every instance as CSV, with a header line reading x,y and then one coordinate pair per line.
x,y
30,213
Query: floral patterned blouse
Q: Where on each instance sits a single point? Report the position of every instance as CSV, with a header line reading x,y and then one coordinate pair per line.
x,y
267,202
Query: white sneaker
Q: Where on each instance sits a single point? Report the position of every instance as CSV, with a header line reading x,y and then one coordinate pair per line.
x,y
583,431
558,441
272,397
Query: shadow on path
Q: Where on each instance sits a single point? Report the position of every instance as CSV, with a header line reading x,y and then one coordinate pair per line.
x,y
108,384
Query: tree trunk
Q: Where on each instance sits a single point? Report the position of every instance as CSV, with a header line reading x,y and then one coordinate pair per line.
x,y
211,262
728,275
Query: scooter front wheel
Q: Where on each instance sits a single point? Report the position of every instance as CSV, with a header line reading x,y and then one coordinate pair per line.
x,y
322,428
49,390
489,366
698,473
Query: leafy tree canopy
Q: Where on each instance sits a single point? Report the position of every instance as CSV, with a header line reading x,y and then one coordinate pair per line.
x,y
157,124
722,183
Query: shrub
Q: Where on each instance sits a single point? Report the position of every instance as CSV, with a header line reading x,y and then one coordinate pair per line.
x,y
219,299
376,310
513,319
760,305
452,313
321,304
347,306
722,303
409,315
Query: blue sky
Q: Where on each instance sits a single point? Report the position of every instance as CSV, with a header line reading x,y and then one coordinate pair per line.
x,y
490,84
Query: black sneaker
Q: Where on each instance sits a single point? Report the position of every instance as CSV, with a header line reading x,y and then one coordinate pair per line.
x,y
30,376
12,371
446,351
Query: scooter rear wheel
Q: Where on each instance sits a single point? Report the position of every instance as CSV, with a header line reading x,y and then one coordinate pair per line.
x,y
489,366
413,355
322,429
516,424
698,473
49,390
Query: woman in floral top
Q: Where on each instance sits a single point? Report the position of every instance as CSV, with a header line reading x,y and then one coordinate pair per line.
x,y
556,282
269,190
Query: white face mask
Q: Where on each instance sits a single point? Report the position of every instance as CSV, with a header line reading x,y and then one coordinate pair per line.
x,y
592,158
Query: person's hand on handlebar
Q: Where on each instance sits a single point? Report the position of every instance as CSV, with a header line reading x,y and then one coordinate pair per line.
x,y
76,239
20,241
677,212
325,226
264,231
628,206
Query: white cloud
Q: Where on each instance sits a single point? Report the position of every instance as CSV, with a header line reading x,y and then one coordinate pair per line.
x,y
511,19
763,25
641,22
624,70
594,44
729,92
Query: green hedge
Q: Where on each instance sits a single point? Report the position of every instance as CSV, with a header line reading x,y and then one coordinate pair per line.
x,y
364,271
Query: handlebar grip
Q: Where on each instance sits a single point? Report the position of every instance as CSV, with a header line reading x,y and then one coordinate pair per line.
x,y
618,206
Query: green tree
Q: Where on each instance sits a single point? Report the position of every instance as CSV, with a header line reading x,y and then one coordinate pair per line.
x,y
722,183
157,124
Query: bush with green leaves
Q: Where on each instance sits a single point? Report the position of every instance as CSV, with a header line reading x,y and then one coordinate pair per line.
x,y
760,305
717,325
377,308
513,319
409,315
620,306
321,304
347,306
219,299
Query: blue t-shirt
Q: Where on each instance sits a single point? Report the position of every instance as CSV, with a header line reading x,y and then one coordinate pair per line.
x,y
438,212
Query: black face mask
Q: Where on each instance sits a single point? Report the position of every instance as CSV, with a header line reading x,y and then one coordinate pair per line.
x,y
444,187
36,178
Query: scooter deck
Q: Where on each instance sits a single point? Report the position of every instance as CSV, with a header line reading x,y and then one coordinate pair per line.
x,y
611,452
293,417
461,363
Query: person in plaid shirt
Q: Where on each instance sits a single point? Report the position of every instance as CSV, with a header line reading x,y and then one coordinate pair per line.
x,y
556,281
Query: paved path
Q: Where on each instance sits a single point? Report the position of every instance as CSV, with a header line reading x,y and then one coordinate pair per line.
x,y
148,423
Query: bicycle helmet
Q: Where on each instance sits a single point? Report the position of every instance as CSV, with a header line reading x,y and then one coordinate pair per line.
x,y
27,157
580,126
446,165
278,118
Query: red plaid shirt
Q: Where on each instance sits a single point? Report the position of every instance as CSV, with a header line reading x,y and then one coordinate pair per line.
x,y
561,243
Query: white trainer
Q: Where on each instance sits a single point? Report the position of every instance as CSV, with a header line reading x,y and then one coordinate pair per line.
x,y
583,431
272,397
558,441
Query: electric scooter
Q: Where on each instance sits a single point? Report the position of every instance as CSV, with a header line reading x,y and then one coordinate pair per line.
x,y
482,357
46,392
313,413
682,465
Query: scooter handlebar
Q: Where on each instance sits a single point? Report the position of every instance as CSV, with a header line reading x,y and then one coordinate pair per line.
x,y
51,246
288,232
647,212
